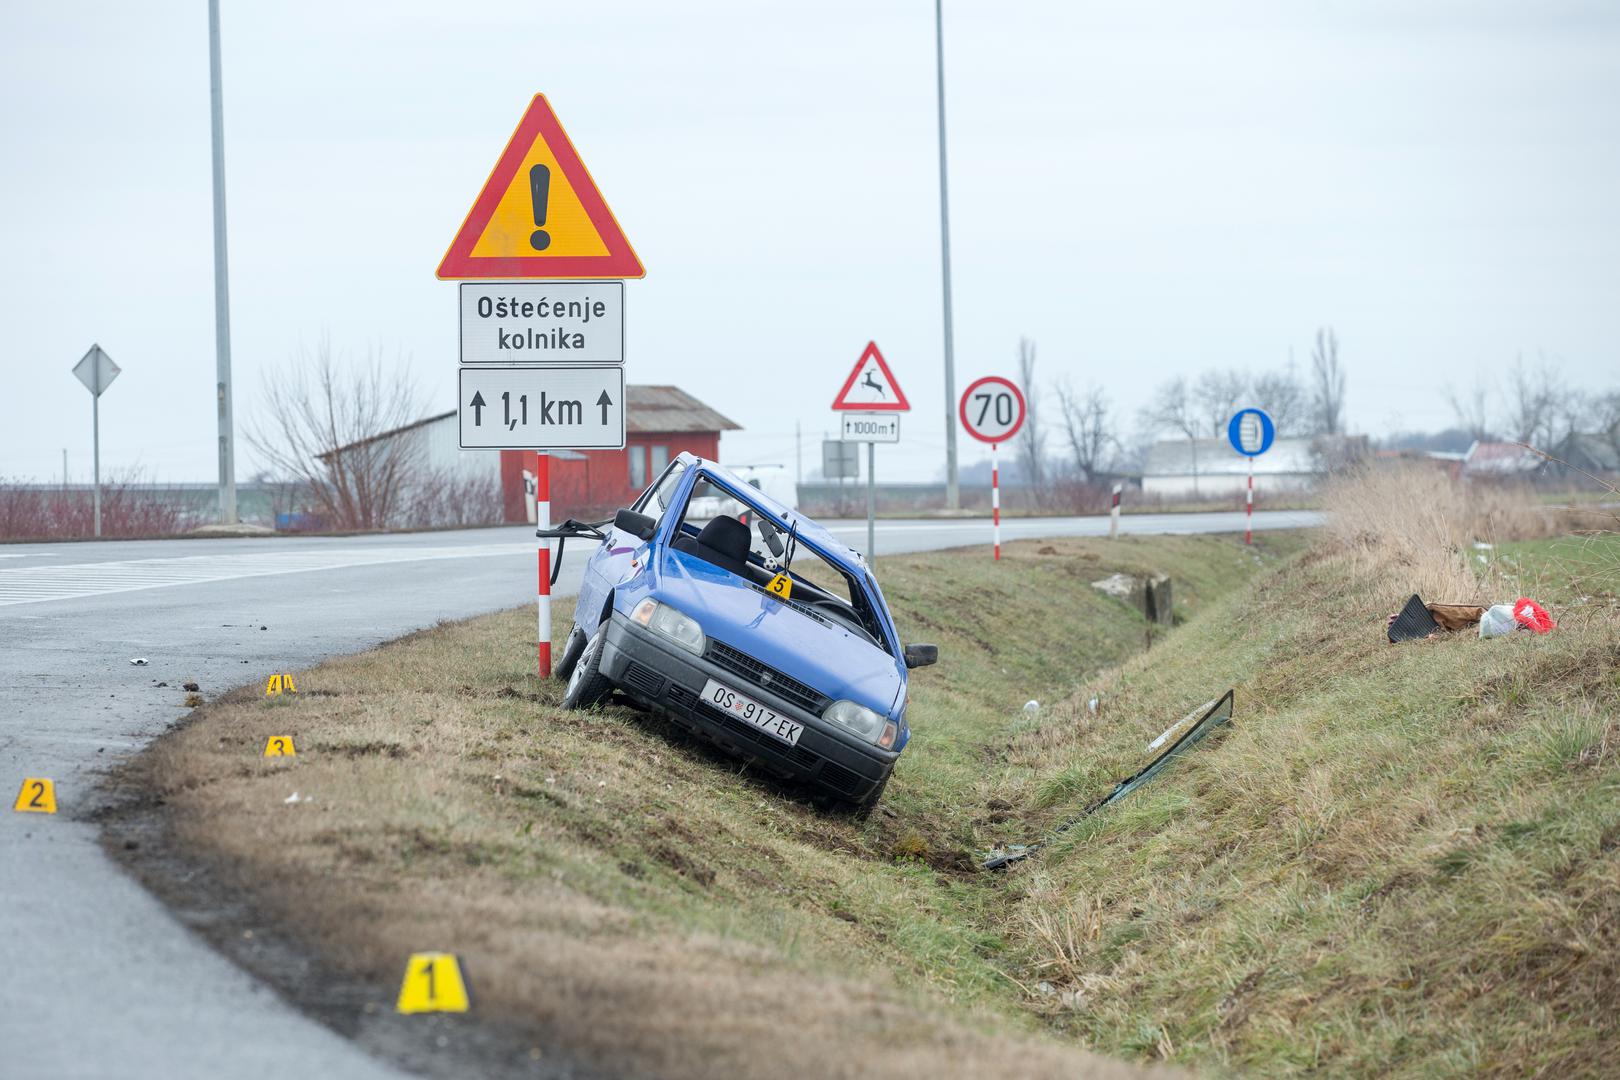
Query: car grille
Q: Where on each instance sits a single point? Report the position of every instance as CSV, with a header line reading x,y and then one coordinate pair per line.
x,y
765,677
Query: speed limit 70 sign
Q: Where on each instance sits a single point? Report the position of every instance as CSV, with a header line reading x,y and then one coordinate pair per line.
x,y
992,409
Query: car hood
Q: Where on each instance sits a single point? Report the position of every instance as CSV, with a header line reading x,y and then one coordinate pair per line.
x,y
833,660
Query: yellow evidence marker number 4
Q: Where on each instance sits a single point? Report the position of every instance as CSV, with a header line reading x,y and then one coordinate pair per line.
x,y
279,746
38,796
781,587
432,984
279,684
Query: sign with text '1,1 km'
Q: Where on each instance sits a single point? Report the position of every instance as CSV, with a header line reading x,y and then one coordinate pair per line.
x,y
992,410
544,408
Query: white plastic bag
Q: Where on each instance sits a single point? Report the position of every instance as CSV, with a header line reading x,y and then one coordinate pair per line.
x,y
1497,620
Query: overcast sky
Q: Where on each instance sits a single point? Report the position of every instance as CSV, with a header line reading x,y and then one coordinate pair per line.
x,y
1144,189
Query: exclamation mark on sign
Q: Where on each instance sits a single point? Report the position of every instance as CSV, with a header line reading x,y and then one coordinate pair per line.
x,y
539,190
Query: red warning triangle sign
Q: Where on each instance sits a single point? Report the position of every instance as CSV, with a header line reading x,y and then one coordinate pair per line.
x,y
540,214
871,386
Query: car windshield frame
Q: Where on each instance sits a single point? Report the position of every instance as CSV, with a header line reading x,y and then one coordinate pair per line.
x,y
856,574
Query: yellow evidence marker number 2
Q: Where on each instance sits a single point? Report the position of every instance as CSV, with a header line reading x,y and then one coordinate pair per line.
x,y
432,984
279,746
37,796
279,684
781,587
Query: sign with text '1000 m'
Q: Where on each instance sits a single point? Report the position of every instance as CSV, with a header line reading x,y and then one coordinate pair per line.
x,y
542,408
870,427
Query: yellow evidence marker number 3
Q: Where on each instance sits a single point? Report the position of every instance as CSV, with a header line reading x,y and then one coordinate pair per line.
x,y
432,984
279,746
781,587
38,796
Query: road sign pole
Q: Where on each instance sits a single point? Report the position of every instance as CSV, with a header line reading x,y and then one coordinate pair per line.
x,y
1113,513
995,502
95,443
222,290
953,491
1248,525
542,518
871,503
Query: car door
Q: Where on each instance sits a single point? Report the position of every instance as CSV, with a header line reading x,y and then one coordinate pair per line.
x,y
610,562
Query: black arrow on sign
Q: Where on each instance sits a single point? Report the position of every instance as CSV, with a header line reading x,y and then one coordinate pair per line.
x,y
478,409
604,401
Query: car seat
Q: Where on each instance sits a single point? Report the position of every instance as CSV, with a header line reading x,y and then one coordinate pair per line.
x,y
723,542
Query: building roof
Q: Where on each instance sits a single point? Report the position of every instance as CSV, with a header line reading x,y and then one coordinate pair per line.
x,y
653,409
669,408
1499,459
1174,457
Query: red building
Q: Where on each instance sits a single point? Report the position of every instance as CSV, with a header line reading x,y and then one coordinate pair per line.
x,y
662,421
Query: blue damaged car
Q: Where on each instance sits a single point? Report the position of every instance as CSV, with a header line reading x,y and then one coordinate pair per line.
x,y
748,624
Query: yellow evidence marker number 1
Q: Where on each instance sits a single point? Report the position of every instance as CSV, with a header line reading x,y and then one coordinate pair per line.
x,y
432,984
279,746
38,796
279,684
781,587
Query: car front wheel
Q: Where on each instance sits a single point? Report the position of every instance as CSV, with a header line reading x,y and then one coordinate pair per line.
x,y
586,684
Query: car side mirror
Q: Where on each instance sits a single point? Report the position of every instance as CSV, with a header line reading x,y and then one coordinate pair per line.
x,y
638,525
921,655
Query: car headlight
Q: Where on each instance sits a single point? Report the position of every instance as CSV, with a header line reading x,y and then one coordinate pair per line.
x,y
862,721
666,622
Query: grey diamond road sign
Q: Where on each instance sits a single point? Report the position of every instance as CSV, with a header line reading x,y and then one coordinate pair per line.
x,y
96,370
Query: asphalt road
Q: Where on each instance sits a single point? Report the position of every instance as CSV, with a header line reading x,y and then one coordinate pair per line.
x,y
96,977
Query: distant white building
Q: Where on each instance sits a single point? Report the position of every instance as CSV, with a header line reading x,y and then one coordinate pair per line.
x,y
1210,468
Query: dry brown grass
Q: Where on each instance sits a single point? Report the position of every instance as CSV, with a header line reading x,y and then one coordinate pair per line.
x,y
1419,526
627,897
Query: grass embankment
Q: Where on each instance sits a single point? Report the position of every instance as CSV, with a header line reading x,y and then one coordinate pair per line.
x,y
627,898
1399,861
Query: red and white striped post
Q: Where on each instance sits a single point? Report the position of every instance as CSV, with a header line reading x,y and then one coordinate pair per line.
x,y
1113,513
1248,525
542,518
995,501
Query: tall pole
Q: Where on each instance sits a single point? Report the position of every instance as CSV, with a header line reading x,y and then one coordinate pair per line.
x,y
871,503
542,520
995,502
953,493
222,289
95,444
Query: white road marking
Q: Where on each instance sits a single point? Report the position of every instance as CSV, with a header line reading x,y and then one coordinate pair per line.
x,y
39,584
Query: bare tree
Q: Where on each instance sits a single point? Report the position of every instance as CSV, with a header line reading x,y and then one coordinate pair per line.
x,y
1089,426
1032,439
1280,394
320,424
1218,394
1327,403
1174,408
1472,410
1538,406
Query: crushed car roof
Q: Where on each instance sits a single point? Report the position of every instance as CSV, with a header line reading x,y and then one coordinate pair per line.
x,y
808,528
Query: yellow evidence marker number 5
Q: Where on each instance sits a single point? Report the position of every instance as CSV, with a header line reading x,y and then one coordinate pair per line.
x,y
432,984
781,587
37,796
279,746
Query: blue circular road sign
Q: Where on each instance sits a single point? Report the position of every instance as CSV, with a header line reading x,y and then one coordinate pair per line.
x,y
1251,432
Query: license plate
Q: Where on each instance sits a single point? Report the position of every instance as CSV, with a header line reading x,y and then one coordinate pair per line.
x,y
752,712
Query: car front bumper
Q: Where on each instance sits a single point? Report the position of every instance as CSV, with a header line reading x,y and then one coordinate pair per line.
x,y
670,681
